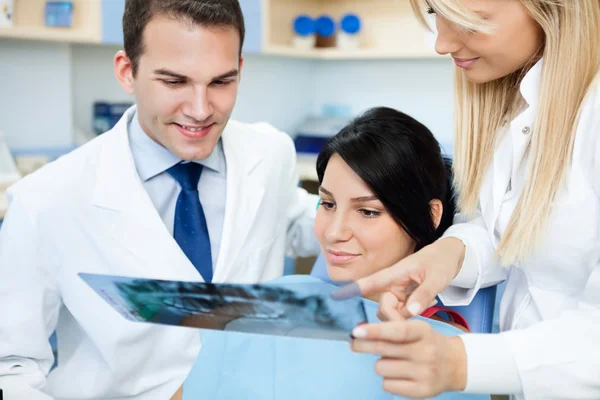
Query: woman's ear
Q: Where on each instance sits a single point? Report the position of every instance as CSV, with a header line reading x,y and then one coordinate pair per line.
x,y
437,209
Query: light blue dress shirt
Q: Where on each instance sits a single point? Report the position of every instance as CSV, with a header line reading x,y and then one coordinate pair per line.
x,y
233,365
152,162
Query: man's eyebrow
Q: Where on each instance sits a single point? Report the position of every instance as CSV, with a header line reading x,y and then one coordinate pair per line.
x,y
166,72
231,74
163,71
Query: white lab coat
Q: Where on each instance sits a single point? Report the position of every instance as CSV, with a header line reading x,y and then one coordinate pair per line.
x,y
550,345
88,212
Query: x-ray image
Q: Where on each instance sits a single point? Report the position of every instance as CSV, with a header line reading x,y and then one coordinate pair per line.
x,y
285,309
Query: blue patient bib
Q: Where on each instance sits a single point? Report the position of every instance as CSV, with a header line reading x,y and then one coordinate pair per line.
x,y
234,365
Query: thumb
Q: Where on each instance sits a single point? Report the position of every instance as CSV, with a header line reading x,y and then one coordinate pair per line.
x,y
389,308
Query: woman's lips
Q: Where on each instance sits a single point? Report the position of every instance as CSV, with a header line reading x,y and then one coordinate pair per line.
x,y
465,62
340,257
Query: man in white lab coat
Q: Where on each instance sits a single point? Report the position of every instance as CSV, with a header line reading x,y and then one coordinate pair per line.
x,y
121,205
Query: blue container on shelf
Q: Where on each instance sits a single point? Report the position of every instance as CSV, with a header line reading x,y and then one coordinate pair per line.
x,y
59,13
101,118
350,24
309,144
349,36
314,131
325,27
106,115
304,25
304,32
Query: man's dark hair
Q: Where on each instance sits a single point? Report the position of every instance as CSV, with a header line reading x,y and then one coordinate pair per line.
x,y
203,13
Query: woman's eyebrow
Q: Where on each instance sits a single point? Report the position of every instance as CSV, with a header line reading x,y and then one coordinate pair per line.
x,y
363,199
360,199
325,191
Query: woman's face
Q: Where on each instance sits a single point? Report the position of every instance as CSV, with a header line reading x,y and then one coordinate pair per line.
x,y
357,235
515,40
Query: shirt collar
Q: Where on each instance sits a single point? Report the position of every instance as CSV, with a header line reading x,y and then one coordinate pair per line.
x,y
152,159
530,85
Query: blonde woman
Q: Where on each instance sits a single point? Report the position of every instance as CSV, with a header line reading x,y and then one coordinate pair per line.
x,y
527,168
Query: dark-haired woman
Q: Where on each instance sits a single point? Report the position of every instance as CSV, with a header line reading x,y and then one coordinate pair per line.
x,y
385,193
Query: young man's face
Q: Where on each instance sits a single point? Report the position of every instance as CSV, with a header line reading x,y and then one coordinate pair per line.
x,y
186,84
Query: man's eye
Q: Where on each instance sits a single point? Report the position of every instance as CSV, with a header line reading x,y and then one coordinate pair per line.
x,y
173,83
221,83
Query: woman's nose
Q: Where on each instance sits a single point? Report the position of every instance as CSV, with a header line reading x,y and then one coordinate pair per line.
x,y
339,229
448,38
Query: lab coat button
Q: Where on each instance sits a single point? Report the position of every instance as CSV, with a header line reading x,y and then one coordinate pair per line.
x,y
526,130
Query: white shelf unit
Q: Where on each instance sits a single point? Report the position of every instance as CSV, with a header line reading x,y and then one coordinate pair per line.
x,y
390,30
28,23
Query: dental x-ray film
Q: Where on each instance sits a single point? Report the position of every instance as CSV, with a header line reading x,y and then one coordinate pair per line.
x,y
293,309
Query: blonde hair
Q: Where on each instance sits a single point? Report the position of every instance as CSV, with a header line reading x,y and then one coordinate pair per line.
x,y
571,57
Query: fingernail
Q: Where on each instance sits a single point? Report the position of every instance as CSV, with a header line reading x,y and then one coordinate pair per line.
x,y
346,292
359,332
352,334
414,308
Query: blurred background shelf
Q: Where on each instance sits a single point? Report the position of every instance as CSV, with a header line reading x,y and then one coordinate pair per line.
x,y
336,54
66,35
29,23
389,29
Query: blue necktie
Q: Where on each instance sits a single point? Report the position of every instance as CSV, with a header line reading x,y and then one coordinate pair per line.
x,y
190,230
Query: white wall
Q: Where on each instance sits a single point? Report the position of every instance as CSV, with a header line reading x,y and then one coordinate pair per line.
x,y
276,90
48,89
420,88
35,94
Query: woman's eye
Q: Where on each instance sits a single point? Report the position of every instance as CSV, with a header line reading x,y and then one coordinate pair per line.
x,y
370,213
327,205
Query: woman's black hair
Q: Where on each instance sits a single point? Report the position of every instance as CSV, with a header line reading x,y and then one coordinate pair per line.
x,y
401,161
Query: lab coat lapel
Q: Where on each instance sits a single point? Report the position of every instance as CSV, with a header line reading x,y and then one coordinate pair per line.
x,y
498,182
506,158
244,195
131,221
486,198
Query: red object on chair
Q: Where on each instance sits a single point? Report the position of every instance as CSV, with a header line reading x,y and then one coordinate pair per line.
x,y
454,316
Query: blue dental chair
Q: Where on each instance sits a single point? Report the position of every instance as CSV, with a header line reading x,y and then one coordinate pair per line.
x,y
201,383
479,314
